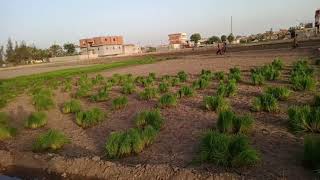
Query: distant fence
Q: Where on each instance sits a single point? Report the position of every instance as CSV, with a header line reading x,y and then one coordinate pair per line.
x,y
73,58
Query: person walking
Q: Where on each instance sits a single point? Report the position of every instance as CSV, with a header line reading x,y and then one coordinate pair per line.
x,y
219,51
224,47
295,41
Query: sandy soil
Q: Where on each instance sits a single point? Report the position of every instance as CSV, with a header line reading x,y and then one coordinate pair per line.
x,y
178,142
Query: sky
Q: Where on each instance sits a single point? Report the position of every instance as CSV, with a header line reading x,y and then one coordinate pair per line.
x,y
144,22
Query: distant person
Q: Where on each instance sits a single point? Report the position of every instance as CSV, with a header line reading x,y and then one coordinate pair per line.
x,y
219,51
224,47
295,41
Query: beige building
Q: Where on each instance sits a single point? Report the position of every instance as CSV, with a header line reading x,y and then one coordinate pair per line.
x,y
178,40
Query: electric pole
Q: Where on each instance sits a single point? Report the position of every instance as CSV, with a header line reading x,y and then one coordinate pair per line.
x,y
231,26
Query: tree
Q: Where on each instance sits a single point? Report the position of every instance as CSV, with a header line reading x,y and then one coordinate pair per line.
x,y
214,39
223,38
10,51
56,50
195,38
69,48
1,55
22,53
231,38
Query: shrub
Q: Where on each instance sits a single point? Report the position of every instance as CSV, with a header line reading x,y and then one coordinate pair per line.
x,y
148,93
302,82
72,106
219,75
168,100
280,93
216,103
52,140
235,73
228,89
200,84
185,91
311,151
163,87
152,118
265,102
36,120
304,119
89,118
42,99
120,102
6,131
257,77
183,76
128,88
277,63
102,95
227,150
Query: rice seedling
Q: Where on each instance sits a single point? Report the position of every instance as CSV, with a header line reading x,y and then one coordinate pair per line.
x,y
183,76
36,120
200,84
148,135
52,141
128,88
67,86
302,67
152,75
270,72
83,91
265,102
168,100
227,150
113,144
6,131
304,119
228,89
97,80
242,124
163,87
102,95
301,82
219,75
230,123
216,103
257,77
235,73
280,93
152,118
311,154
148,93
120,102
207,75
42,99
175,81
225,121
89,118
72,106
278,63
185,91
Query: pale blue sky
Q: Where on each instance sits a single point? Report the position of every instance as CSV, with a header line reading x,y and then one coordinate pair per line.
x,y
144,22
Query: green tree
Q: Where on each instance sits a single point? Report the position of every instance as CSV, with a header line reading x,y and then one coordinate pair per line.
x,y
10,51
231,38
214,39
22,53
1,55
56,50
195,38
69,48
223,38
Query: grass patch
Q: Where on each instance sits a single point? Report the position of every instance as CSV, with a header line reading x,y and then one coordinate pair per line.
x,y
270,72
52,141
280,93
200,83
304,119
219,75
278,63
265,102
257,77
120,102
168,100
72,106
89,118
216,103
149,118
148,93
42,99
6,131
36,120
185,91
302,77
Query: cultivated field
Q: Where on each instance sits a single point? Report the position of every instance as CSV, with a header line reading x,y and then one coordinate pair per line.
x,y
163,108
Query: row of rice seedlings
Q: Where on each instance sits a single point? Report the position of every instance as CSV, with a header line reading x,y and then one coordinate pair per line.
x,y
6,130
268,72
302,77
42,99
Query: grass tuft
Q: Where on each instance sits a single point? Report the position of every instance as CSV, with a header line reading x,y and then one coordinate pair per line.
x,y
120,102
216,103
183,76
280,93
128,88
42,99
168,100
6,131
163,87
52,141
227,90
89,118
265,102
185,91
148,93
72,106
304,119
36,120
235,73
149,118
102,95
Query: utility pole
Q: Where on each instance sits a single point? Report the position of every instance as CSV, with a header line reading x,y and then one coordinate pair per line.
x,y
231,26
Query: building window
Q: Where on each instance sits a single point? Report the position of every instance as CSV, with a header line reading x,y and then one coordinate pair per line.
x,y
114,39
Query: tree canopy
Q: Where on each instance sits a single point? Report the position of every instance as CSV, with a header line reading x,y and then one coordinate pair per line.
x,y
223,38
195,38
231,38
69,48
214,39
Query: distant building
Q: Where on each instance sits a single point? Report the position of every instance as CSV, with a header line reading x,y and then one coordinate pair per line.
x,y
177,40
107,46
317,19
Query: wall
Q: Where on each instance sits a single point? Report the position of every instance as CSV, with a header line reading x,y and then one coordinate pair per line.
x,y
131,49
105,50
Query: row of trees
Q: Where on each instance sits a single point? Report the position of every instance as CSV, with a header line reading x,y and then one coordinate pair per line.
x,y
21,53
214,39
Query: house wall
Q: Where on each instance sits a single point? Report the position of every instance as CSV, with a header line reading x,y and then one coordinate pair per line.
x,y
100,41
105,50
131,49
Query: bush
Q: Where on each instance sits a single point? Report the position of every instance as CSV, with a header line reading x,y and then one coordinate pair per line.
x,y
311,151
148,93
149,118
280,93
278,63
304,119
216,103
265,102
89,118
183,76
102,95
228,89
257,77
120,102
6,131
185,91
36,120
128,88
52,140
235,73
168,100
72,106
302,82
163,87
200,84
42,99
227,150
219,75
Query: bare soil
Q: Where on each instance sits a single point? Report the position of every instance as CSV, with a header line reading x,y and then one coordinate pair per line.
x,y
177,144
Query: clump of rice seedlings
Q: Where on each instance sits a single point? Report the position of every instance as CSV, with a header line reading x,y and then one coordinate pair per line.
x,y
152,75
83,91
128,88
67,86
235,73
89,118
175,81
200,84
302,67
149,118
42,99
98,79
166,78
311,154
228,122
102,95
36,120
148,93
280,93
148,135
147,81
113,143
84,81
216,103
278,63
301,82
304,119
185,91
265,102
207,75
72,106
168,100
183,76
219,75
163,87
52,141
257,77
3,102
227,150
120,102
270,72
6,131
227,90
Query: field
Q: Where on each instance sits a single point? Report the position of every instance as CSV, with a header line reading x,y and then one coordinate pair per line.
x,y
175,149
